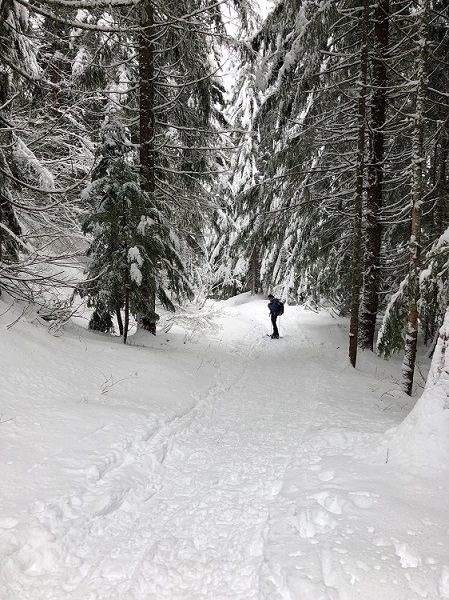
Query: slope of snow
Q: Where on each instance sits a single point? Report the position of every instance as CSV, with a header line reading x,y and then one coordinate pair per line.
x,y
422,439
224,465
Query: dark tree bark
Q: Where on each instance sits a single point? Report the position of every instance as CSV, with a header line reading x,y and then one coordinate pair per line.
x,y
126,278
374,199
126,324
147,126
118,314
359,176
1,241
411,340
254,271
9,248
441,209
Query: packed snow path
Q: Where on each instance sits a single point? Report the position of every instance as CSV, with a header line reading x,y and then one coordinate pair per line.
x,y
202,533
257,491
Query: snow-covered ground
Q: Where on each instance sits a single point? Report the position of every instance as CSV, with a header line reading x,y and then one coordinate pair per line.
x,y
224,465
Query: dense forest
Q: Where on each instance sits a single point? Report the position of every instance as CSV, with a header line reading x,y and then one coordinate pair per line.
x,y
158,152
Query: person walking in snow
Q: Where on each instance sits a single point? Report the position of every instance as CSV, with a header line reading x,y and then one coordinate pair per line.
x,y
273,307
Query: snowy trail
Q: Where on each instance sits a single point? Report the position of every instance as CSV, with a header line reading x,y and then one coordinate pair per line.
x,y
209,520
195,528
201,534
258,489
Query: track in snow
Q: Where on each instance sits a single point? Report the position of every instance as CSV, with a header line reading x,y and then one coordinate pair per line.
x,y
243,497
201,533
183,514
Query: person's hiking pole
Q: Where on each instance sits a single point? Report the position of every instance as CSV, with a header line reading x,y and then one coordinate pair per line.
x,y
279,328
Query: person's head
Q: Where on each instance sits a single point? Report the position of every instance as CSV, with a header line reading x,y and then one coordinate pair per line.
x,y
270,296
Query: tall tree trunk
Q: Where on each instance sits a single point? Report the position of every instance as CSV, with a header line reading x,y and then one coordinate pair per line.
x,y
1,230
1,242
374,202
254,271
408,365
440,211
358,201
118,314
147,126
126,273
126,324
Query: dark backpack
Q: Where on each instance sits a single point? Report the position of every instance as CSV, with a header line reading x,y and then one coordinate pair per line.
x,y
280,310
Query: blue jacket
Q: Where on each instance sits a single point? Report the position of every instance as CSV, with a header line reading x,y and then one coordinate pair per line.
x,y
273,306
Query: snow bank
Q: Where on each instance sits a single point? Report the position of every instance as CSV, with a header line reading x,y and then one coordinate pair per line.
x,y
422,439
233,467
240,299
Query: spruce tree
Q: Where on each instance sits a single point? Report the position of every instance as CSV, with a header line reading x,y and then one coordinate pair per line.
x,y
375,189
132,255
357,260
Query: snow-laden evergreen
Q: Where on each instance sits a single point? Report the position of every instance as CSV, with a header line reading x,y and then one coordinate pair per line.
x,y
295,172
131,249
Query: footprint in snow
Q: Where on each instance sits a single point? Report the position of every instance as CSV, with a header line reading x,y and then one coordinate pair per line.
x,y
326,475
313,521
314,468
331,502
408,557
443,584
363,499
8,523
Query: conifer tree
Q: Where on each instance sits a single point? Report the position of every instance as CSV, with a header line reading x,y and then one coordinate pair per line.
x,y
23,177
13,22
418,192
130,240
180,103
375,167
356,266
420,298
307,126
247,202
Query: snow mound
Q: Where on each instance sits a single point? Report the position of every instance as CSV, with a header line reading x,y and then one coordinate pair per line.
x,y
243,298
422,439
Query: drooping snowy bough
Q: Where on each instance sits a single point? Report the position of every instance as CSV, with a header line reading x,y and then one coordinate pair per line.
x,y
439,369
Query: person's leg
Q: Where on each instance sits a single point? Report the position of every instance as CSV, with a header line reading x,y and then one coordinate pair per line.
x,y
275,329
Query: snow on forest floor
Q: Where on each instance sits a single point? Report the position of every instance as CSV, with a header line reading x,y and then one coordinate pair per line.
x,y
221,466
